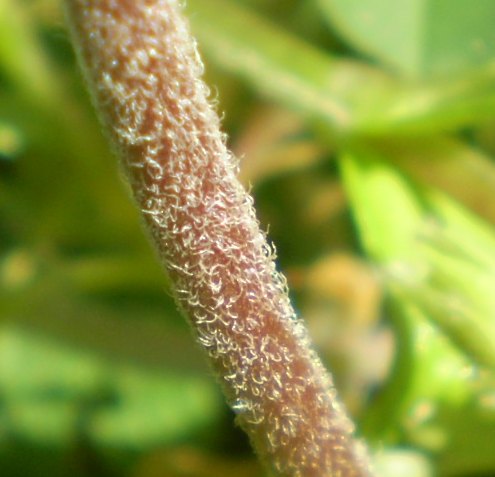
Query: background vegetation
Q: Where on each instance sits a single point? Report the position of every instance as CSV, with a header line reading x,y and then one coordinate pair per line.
x,y
366,131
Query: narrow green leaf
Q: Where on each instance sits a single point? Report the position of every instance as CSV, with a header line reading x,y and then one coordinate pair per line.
x,y
418,37
448,164
22,60
386,213
278,64
348,96
154,409
44,384
433,252
436,260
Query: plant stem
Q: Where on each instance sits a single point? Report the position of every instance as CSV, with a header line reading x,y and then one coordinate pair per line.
x,y
144,72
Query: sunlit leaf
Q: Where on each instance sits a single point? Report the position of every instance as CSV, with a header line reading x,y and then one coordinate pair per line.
x,y
348,96
44,385
418,38
460,170
432,250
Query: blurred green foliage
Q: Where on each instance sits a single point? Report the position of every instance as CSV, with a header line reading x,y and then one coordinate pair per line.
x,y
366,129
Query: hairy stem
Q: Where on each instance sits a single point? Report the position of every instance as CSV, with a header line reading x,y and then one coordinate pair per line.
x,y
144,72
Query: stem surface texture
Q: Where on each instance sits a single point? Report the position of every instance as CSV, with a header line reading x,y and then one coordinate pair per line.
x,y
144,72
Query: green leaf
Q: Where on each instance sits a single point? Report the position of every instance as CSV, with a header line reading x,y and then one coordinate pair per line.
x,y
418,37
447,164
434,253
22,59
46,387
31,366
386,213
154,409
437,263
349,97
276,63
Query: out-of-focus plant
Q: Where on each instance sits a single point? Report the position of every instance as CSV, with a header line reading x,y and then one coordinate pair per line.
x,y
390,123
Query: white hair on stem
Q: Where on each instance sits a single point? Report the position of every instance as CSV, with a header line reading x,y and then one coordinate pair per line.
x,y
144,72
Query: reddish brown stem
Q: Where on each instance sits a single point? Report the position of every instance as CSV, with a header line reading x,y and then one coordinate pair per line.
x,y
145,75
